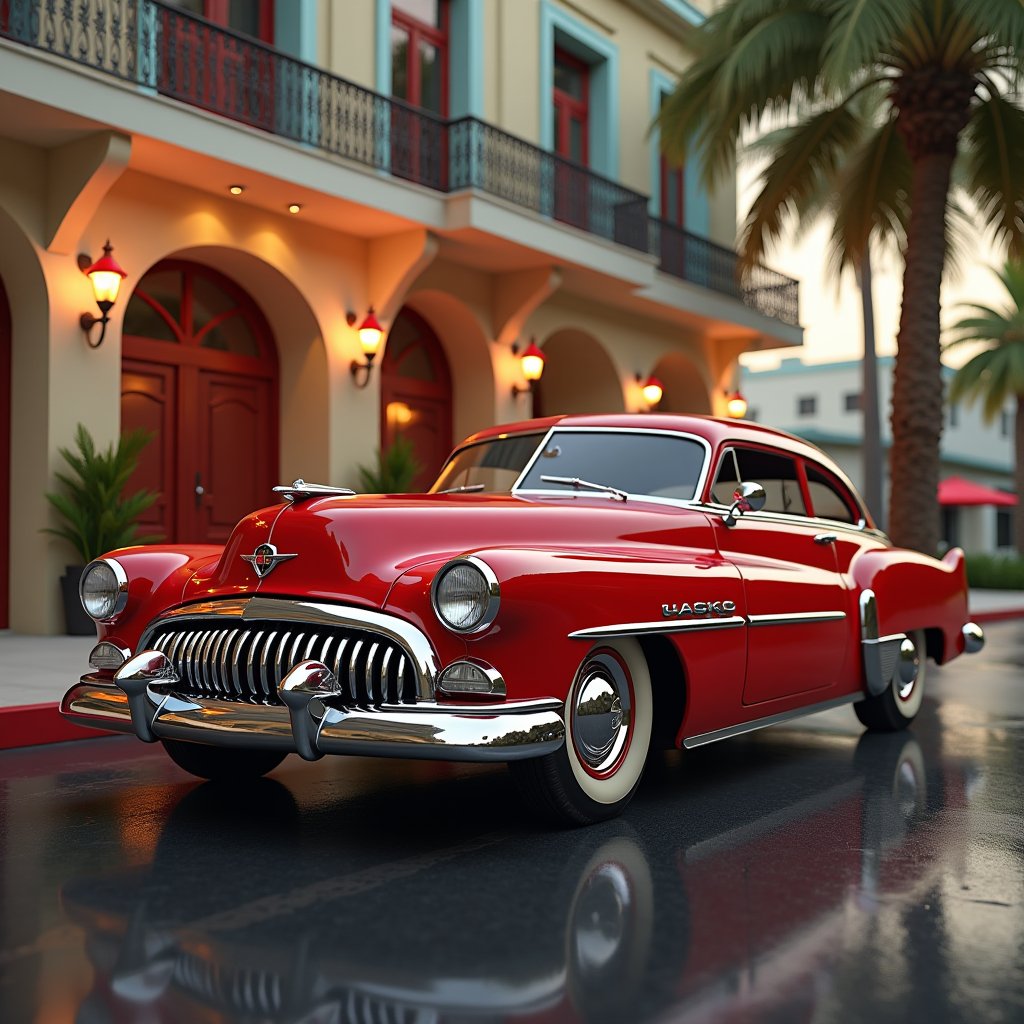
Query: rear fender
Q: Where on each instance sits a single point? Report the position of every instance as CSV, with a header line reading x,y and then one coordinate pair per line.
x,y
913,591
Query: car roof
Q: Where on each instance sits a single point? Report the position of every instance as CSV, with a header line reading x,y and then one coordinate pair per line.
x,y
716,430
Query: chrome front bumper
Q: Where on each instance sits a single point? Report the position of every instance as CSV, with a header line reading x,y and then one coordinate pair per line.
x,y
313,721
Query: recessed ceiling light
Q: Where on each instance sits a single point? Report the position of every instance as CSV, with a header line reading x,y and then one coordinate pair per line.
x,y
236,190
294,207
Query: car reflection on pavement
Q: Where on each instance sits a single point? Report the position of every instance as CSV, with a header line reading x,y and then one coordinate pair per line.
x,y
743,919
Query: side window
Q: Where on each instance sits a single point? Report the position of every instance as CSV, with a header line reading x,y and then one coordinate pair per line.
x,y
829,500
776,473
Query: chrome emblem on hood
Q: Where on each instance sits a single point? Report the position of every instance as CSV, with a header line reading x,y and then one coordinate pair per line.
x,y
265,558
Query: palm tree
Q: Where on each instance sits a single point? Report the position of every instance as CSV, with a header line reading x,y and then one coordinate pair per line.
x,y
937,76
996,374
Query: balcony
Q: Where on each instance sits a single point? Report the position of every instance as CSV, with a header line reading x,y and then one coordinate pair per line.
x,y
158,47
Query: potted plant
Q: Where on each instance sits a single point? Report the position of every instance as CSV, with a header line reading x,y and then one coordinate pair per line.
x,y
395,471
97,513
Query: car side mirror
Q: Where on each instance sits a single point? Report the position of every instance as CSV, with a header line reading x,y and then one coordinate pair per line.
x,y
748,497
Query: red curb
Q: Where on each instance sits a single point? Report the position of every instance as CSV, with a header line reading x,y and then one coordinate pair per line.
x,y
29,725
1003,615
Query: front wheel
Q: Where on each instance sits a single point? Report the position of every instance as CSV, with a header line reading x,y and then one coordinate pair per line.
x,y
897,706
607,737
222,763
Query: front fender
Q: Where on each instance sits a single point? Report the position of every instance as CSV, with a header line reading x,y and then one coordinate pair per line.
x,y
157,577
548,594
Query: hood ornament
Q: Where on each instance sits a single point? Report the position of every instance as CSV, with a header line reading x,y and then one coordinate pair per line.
x,y
299,490
265,559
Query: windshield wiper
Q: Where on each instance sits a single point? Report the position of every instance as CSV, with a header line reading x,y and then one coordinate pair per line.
x,y
577,483
461,490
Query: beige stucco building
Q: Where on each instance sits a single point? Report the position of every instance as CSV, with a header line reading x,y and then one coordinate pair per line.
x,y
478,172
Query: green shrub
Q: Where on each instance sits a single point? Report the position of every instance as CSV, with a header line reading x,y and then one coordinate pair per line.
x,y
97,514
396,467
995,572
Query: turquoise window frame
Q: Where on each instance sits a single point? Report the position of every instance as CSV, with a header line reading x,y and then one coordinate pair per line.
x,y
557,26
697,214
465,55
295,28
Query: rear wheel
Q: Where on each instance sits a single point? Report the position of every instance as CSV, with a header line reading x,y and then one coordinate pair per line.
x,y
222,763
608,734
897,706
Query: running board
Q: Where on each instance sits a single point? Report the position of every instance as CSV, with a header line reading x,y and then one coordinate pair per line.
x,y
760,723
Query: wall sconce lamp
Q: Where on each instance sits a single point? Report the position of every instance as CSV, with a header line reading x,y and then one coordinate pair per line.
x,y
106,275
370,335
652,390
735,404
531,362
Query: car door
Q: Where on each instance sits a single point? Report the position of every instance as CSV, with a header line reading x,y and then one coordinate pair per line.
x,y
798,606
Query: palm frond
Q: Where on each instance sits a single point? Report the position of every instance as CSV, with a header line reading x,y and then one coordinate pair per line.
x,y
859,30
873,189
1000,22
993,148
807,155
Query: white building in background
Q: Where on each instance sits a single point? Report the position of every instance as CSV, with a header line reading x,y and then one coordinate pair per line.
x,y
821,402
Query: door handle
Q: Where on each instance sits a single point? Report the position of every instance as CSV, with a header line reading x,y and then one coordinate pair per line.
x,y
200,490
825,538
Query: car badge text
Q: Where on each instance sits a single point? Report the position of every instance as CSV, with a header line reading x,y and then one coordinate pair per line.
x,y
265,558
698,608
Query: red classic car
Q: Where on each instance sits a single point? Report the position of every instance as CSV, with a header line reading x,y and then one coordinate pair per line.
x,y
572,593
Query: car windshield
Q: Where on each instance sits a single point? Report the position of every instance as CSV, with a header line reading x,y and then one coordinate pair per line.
x,y
637,462
492,466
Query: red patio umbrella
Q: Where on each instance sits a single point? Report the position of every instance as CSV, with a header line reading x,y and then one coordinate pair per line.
x,y
955,490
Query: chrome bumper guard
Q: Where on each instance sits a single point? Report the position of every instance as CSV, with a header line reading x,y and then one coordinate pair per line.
x,y
314,721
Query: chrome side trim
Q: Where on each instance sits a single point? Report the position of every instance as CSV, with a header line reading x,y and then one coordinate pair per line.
x,y
451,732
310,615
795,618
646,628
760,723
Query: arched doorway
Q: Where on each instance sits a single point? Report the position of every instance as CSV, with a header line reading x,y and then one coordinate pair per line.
x,y
199,370
416,394
5,455
579,377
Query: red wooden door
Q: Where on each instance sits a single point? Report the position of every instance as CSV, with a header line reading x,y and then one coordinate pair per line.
x,y
200,371
416,394
5,454
571,100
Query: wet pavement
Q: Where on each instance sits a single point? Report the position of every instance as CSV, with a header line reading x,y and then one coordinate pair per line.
x,y
797,874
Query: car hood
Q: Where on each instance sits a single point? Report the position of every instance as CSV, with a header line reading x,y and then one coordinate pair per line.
x,y
355,548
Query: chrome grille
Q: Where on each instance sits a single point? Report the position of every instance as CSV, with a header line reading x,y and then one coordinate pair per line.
x,y
247,661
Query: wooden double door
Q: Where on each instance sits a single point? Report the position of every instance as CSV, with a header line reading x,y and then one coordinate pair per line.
x,y
199,371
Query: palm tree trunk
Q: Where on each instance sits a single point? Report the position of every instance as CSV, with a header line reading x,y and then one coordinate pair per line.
x,y
1018,446
917,384
872,450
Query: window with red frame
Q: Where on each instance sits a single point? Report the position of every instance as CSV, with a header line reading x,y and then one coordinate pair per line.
x,y
419,53
571,98
673,190
252,17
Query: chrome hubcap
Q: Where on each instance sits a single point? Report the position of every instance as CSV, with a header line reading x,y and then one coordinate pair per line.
x,y
601,713
907,666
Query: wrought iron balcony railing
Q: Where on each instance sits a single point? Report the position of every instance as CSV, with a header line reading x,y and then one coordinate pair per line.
x,y
162,48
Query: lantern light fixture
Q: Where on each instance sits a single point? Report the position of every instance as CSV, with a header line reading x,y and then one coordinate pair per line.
x,y
105,275
370,335
735,404
531,362
652,389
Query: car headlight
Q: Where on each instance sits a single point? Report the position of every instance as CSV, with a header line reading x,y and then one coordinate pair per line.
x,y
466,595
104,589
